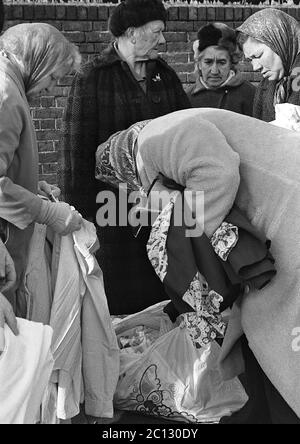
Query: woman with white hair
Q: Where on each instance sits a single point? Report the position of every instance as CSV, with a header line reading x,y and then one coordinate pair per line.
x,y
33,57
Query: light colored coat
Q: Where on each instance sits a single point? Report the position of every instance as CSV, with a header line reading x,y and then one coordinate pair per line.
x,y
19,204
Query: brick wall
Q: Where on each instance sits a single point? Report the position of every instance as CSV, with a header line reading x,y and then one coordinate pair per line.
x,y
86,26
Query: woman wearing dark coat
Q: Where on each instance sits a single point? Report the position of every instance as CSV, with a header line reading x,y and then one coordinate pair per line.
x,y
218,82
126,84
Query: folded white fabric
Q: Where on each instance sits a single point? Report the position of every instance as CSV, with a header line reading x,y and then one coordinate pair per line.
x,y
287,116
25,367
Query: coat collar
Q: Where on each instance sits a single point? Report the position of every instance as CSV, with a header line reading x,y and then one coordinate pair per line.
x,y
235,81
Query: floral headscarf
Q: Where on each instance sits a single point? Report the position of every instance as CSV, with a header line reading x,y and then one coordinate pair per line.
x,y
38,49
281,33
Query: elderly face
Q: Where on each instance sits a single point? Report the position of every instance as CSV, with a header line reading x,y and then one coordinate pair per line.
x,y
214,64
47,84
148,38
263,59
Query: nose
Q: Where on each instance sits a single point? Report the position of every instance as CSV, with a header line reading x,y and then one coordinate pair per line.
x,y
162,39
214,69
256,65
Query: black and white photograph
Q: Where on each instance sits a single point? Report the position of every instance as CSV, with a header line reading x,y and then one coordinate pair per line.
x,y
149,215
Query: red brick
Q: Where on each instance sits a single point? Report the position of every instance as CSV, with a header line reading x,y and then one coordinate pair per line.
x,y
247,12
179,26
175,36
183,67
46,146
58,124
36,124
88,48
50,11
102,12
175,58
8,11
179,47
99,47
75,37
40,12
49,168
61,102
229,15
82,13
28,12
220,14
202,13
45,135
172,13
43,113
198,25
47,124
71,12
193,13
211,14
61,12
47,102
238,14
77,26
100,26
183,12
192,36
92,12
35,102
45,157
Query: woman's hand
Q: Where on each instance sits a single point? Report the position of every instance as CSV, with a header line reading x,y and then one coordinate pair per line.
x,y
7,269
7,315
46,189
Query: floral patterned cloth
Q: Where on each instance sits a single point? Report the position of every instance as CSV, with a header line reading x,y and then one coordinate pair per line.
x,y
115,159
204,324
225,239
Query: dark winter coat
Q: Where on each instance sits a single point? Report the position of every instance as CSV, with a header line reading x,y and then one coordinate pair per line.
x,y
235,96
106,98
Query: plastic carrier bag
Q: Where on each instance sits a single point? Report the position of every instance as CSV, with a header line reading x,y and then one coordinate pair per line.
x,y
164,375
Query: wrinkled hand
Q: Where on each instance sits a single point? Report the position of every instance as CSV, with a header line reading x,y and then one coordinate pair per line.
x,y
7,269
45,189
72,220
7,315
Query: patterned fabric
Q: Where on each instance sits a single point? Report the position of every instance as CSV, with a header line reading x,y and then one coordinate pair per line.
x,y
224,240
205,323
115,159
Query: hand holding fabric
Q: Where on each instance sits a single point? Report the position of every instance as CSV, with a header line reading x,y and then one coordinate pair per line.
x,y
7,269
46,189
60,216
6,316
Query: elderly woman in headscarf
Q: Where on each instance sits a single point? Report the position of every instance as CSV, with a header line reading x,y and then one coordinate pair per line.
x,y
219,84
33,57
270,39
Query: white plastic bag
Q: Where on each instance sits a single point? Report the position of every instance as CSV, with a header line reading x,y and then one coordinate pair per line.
x,y
172,379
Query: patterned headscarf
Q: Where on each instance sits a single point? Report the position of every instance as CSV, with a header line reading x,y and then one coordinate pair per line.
x,y
38,49
281,33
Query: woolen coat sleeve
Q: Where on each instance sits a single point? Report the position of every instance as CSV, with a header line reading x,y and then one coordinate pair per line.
x,y
77,155
17,205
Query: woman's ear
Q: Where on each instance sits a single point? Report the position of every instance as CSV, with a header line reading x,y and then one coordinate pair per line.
x,y
130,34
196,50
